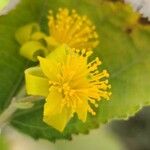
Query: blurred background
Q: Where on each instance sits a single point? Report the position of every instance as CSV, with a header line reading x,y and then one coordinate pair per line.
x,y
133,134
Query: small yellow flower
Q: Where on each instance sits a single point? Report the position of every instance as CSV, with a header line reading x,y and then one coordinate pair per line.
x,y
69,83
66,28
71,29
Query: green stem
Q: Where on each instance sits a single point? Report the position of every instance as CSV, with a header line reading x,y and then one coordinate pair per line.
x,y
21,92
17,103
8,112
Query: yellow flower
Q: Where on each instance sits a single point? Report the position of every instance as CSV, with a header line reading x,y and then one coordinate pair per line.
x,y
66,28
71,29
69,83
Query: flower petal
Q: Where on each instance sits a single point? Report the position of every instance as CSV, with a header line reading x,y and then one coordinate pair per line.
x,y
32,49
49,65
59,54
24,33
82,110
53,115
36,82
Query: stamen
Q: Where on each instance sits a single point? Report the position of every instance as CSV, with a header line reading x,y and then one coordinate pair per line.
x,y
72,29
77,79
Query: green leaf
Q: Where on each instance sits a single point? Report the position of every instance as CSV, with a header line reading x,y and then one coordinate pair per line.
x,y
124,50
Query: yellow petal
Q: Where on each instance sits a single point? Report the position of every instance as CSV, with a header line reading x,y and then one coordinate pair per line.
x,y
24,33
32,49
36,83
53,115
49,68
49,65
51,41
59,54
82,110
38,36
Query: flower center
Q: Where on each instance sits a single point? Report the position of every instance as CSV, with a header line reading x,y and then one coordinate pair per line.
x,y
67,91
79,81
72,29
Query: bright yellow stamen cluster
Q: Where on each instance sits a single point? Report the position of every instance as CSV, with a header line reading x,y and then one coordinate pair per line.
x,y
79,81
71,29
